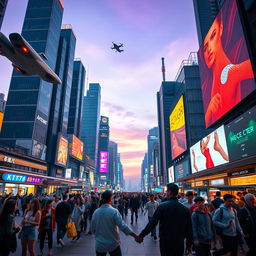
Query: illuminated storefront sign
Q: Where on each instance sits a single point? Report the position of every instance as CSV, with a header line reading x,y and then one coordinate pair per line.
x,y
217,182
248,180
21,178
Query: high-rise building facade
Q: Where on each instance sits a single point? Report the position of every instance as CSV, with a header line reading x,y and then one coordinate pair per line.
x,y
91,120
28,103
144,173
152,140
103,153
76,99
61,95
112,167
205,12
2,102
3,4
119,174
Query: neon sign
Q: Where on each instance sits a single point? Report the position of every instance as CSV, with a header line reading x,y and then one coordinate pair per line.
x,y
21,178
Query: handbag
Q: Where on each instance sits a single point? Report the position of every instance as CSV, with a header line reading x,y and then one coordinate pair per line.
x,y
71,230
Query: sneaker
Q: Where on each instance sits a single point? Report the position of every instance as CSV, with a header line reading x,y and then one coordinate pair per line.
x,y
61,242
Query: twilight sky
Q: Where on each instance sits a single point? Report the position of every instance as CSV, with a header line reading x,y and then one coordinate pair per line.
x,y
149,30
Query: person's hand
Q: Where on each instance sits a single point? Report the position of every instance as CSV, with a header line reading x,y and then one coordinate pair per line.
x,y
138,239
196,243
215,104
229,224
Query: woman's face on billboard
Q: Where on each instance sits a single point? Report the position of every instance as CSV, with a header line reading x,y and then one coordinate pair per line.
x,y
212,43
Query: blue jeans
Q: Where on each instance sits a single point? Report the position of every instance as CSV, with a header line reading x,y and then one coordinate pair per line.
x,y
153,231
116,252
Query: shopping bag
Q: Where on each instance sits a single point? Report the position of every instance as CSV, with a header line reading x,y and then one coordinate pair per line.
x,y
71,230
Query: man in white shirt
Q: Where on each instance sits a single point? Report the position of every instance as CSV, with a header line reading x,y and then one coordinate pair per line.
x,y
151,207
106,222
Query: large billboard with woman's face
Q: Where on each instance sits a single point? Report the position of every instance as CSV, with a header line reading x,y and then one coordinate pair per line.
x,y
209,152
178,129
225,67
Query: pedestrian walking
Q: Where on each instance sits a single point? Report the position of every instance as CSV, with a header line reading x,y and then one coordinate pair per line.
x,y
106,222
203,229
94,204
189,202
247,219
151,207
47,226
78,215
121,205
134,206
175,225
29,225
86,214
217,202
62,215
8,227
227,225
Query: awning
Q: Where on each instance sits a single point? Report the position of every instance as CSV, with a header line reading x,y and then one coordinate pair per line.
x,y
48,178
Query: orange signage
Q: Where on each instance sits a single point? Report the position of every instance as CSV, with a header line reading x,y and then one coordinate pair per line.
x,y
62,155
77,148
247,180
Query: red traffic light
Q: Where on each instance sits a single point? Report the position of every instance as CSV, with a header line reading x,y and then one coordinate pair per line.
x,y
24,49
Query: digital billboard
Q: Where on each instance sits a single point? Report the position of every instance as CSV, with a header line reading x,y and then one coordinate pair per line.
x,y
171,174
241,136
181,170
225,67
178,129
62,153
103,162
1,120
38,150
209,152
77,148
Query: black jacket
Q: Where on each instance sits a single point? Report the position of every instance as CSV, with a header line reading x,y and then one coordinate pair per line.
x,y
247,219
63,211
217,202
134,203
175,223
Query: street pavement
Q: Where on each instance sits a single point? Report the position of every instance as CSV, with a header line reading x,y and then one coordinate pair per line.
x,y
86,245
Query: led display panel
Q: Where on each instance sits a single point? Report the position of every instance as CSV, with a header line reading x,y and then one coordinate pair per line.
x,y
181,170
178,129
241,136
62,153
103,162
171,174
209,152
77,148
225,67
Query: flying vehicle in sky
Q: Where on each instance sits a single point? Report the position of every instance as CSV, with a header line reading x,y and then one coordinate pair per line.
x,y
25,59
117,47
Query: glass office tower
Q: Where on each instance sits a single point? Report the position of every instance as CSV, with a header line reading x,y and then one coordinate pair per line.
x,y
28,103
91,120
76,99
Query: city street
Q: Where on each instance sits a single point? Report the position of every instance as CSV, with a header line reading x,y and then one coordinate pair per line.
x,y
85,246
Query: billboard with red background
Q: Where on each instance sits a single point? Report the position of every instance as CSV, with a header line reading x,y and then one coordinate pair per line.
x,y
225,67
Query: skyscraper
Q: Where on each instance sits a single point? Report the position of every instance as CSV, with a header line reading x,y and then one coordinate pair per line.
x,y
76,99
152,139
112,167
3,4
144,173
90,120
58,120
28,103
103,153
205,12
2,103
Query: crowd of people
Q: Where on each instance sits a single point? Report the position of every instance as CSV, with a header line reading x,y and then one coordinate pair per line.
x,y
188,224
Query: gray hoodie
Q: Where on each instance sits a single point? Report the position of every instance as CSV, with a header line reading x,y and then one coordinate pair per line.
x,y
228,215
203,228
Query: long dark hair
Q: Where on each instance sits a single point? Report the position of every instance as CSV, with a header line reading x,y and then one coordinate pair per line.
x,y
36,203
7,210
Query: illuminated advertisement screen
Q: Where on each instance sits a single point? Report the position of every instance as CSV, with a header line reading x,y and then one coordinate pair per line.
x,y
77,148
181,170
178,129
225,68
209,152
171,174
62,153
103,162
241,136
